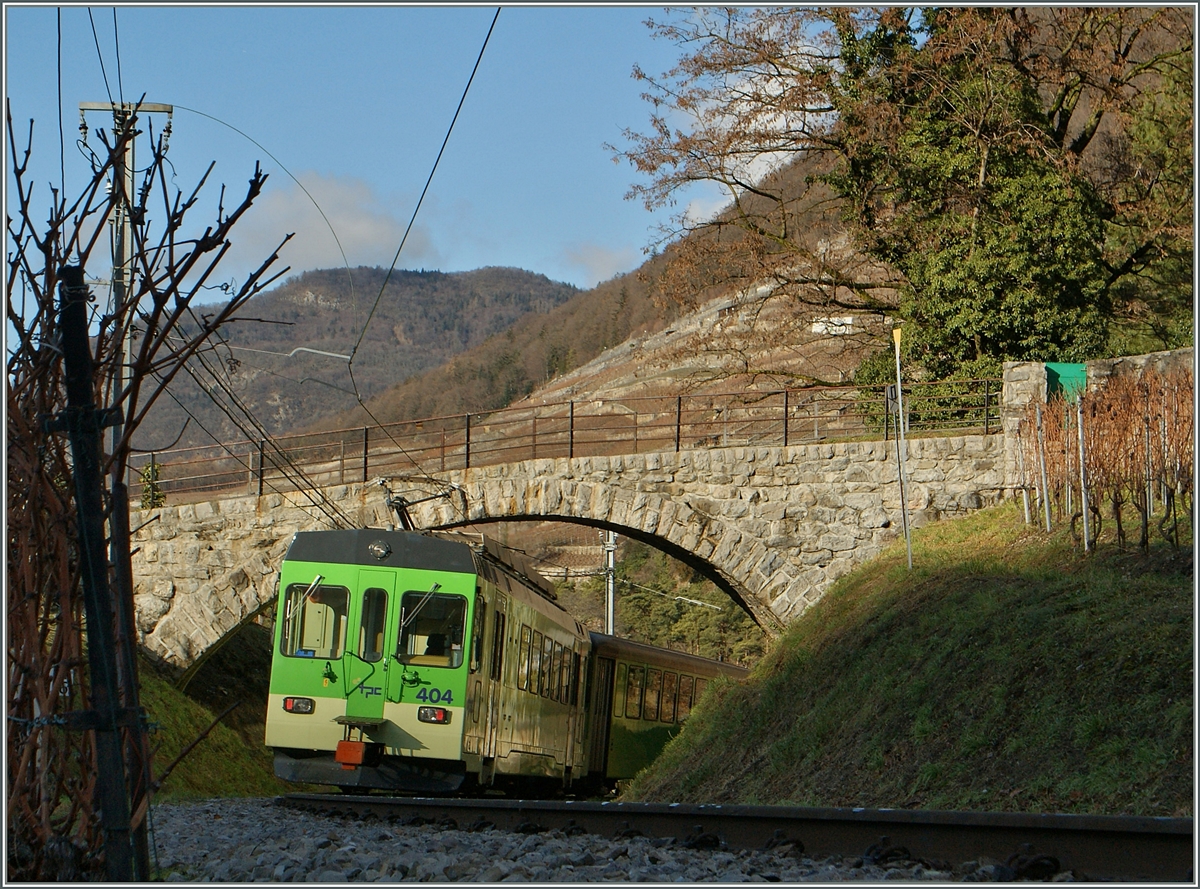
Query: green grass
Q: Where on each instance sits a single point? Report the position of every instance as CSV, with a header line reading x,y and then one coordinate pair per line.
x,y
1006,672
232,760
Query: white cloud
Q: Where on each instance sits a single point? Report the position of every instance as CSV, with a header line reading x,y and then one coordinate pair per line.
x,y
368,227
600,263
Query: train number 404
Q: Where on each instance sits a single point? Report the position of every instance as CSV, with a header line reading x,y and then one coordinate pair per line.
x,y
435,696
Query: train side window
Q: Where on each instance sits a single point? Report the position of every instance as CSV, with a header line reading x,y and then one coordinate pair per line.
x,y
498,645
685,697
633,692
535,666
555,673
701,684
576,680
431,629
477,634
666,712
523,658
314,621
564,677
653,689
370,629
618,704
547,664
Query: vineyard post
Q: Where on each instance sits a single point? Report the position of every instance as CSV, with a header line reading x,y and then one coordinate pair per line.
x,y
1067,460
571,433
679,421
901,448
1041,449
1083,496
785,417
262,444
1021,470
1149,462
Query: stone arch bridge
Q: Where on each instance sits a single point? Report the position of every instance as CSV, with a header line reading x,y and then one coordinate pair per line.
x,y
771,526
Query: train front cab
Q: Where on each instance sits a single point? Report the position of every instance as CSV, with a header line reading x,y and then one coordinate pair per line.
x,y
370,671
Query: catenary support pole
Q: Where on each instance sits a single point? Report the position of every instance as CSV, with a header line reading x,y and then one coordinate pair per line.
x,y
610,582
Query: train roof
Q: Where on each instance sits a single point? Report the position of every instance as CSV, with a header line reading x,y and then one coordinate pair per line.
x,y
627,649
375,547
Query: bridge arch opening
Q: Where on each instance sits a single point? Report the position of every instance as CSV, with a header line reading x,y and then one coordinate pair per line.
x,y
543,536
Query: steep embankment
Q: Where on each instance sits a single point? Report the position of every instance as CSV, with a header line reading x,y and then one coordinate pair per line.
x,y
1006,672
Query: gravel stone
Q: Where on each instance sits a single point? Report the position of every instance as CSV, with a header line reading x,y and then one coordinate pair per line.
x,y
253,840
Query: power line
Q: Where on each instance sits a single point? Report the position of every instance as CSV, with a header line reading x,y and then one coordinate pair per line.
x,y
328,224
100,55
62,141
117,44
193,418
299,479
428,181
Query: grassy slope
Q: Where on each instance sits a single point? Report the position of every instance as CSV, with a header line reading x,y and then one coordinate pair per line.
x,y
1005,673
232,760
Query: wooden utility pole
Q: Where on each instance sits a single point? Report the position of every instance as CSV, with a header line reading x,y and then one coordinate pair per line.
x,y
83,424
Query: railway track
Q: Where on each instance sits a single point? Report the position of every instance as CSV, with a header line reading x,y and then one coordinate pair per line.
x,y
1094,847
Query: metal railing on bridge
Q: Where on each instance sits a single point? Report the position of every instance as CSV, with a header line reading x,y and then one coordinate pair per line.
x,y
599,427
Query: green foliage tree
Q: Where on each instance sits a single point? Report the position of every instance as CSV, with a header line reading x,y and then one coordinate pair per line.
x,y
1013,183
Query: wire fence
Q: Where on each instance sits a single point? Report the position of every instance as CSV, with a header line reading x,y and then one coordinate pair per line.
x,y
597,427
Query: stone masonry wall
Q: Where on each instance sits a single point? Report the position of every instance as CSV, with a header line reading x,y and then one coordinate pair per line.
x,y
774,526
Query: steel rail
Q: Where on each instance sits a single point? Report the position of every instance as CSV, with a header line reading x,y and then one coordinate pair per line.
x,y
1095,847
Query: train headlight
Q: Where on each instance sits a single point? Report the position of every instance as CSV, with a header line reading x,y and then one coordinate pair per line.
x,y
299,705
439,715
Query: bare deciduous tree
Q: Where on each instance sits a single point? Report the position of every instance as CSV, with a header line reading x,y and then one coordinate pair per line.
x,y
53,828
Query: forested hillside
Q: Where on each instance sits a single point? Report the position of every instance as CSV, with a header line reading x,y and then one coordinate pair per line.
x,y
420,320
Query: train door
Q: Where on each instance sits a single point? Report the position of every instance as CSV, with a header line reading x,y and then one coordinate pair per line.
x,y
600,717
365,659
495,670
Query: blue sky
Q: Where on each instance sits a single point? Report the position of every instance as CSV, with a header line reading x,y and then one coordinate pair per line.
x,y
355,102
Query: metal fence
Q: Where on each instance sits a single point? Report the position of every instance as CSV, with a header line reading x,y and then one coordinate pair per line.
x,y
599,427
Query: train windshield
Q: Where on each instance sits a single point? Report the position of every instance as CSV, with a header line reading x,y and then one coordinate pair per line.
x,y
314,620
431,631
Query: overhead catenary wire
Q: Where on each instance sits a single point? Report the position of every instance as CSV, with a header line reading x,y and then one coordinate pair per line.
x,y
357,393
403,239
62,139
193,418
285,464
298,478
349,275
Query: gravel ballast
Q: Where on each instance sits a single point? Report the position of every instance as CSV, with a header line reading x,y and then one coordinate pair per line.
x,y
254,840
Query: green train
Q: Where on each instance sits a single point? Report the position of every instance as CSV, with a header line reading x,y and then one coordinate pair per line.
x,y
440,662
